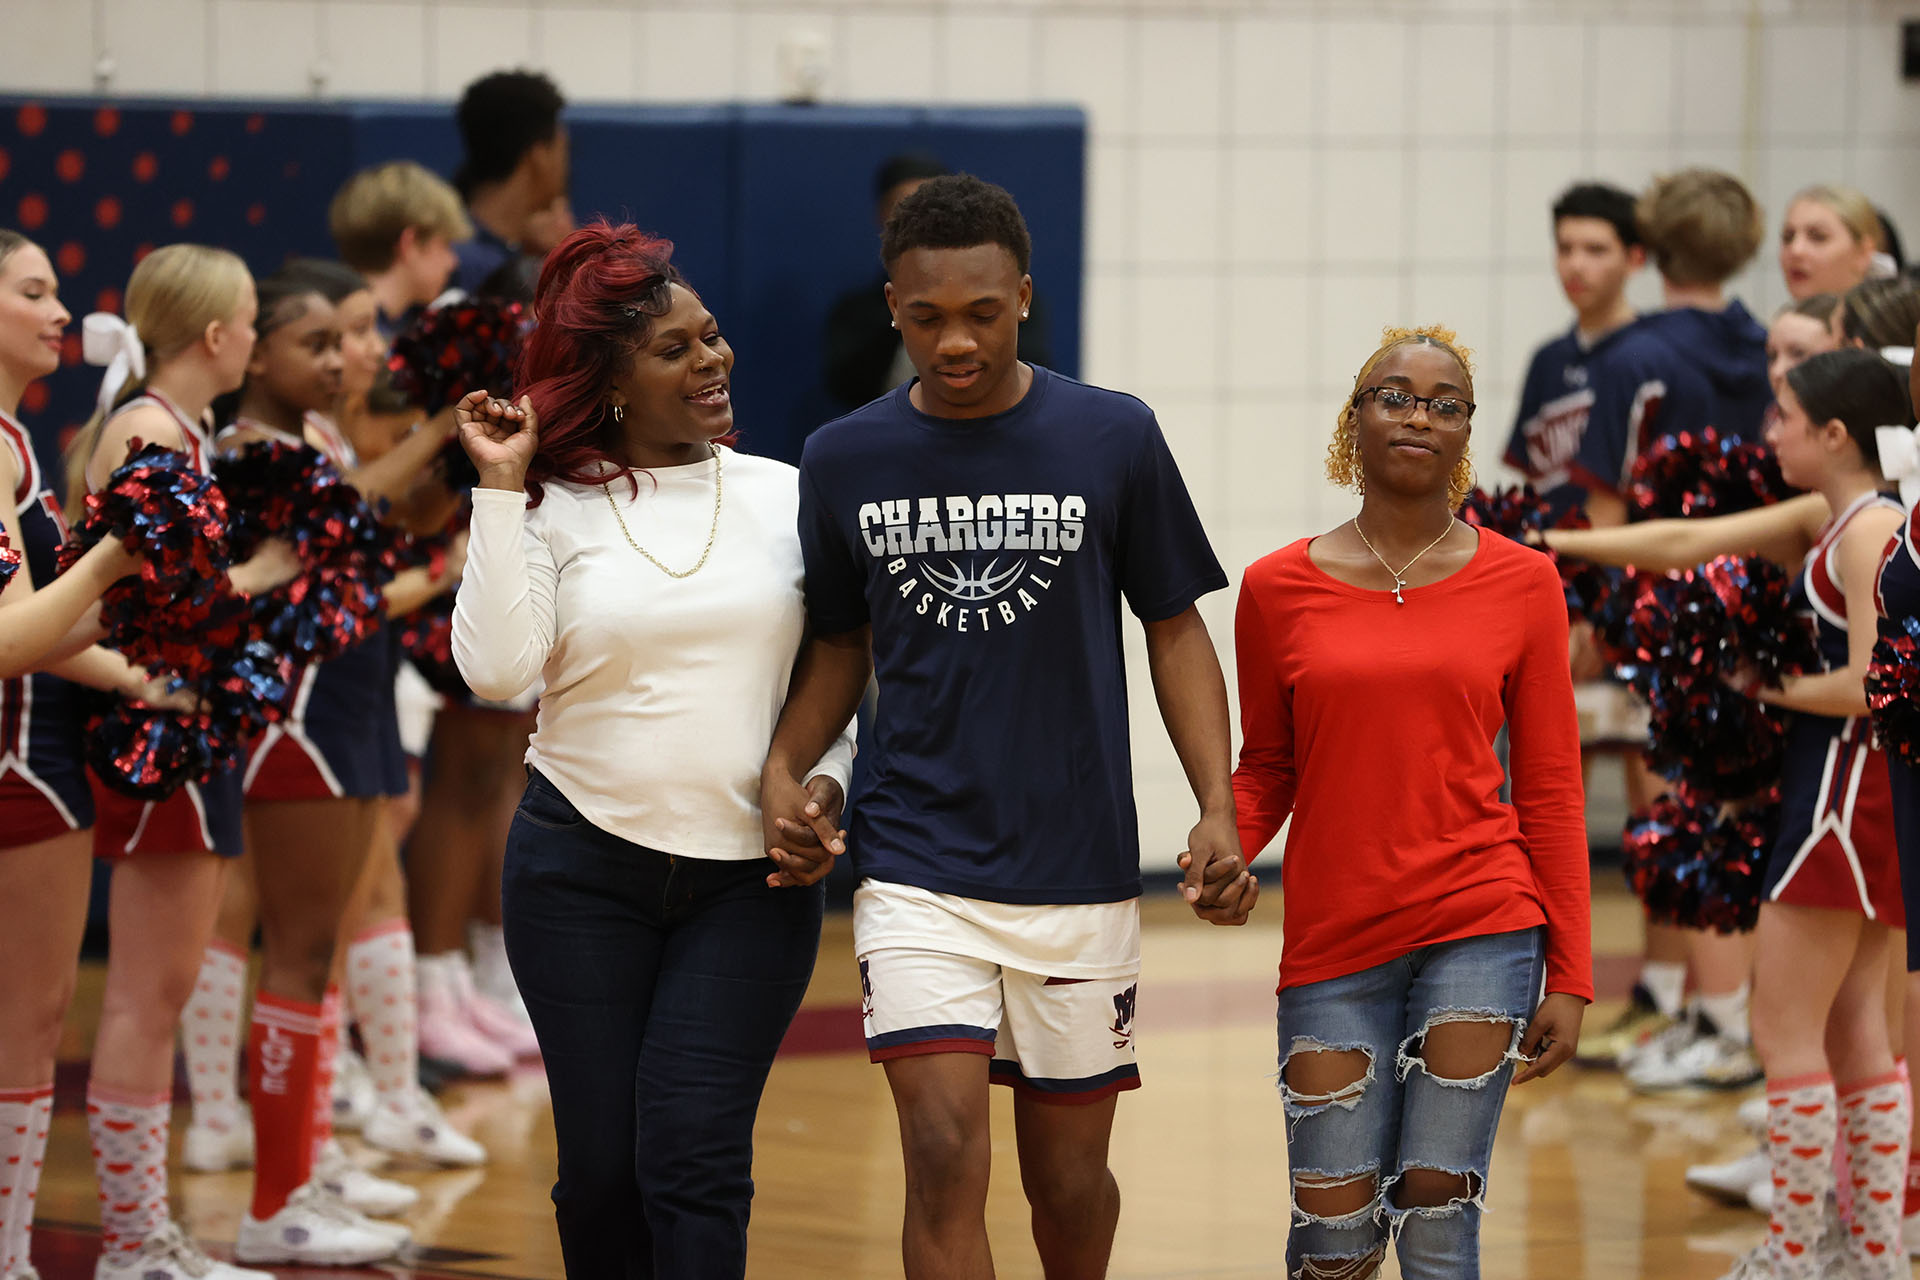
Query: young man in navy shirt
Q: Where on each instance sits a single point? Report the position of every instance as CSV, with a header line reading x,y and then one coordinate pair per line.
x,y
975,531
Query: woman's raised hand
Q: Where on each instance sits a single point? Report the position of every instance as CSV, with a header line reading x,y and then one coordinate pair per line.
x,y
499,437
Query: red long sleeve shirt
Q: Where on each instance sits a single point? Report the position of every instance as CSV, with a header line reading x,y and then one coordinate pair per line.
x,y
1373,724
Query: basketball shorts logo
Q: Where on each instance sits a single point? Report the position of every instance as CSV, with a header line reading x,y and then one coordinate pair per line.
x,y
1122,1027
866,991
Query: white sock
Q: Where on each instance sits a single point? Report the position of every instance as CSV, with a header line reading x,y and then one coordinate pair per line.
x,y
25,1117
1666,982
1729,1014
1876,1118
382,993
130,1158
210,1033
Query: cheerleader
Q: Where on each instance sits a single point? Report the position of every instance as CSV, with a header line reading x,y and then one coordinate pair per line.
x,y
1832,888
1829,240
315,786
187,339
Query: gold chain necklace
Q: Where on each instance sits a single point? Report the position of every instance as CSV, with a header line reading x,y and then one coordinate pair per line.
x,y
712,531
1400,577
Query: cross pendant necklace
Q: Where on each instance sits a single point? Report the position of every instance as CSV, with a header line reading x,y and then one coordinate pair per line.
x,y
1399,575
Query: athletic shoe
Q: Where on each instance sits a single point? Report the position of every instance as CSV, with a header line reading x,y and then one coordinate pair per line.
x,y
396,1232
490,1018
168,1254
27,1274
446,1031
1669,1039
416,1127
313,1229
1752,1115
218,1139
1709,1061
1733,1179
352,1091
1640,1020
1760,1195
362,1191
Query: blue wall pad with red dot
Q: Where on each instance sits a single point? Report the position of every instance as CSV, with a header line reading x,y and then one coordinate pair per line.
x,y
770,208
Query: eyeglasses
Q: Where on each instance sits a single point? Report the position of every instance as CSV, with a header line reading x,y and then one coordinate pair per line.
x,y
1396,405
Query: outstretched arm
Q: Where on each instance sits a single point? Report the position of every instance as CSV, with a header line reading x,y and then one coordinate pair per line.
x,y
1781,532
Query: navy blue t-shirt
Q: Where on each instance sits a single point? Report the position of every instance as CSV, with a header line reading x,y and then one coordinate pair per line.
x,y
1587,412
990,556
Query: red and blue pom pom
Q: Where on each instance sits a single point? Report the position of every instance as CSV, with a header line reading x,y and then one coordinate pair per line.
x,y
1703,473
1698,865
1522,514
1688,631
9,561
175,613
292,492
1893,690
448,351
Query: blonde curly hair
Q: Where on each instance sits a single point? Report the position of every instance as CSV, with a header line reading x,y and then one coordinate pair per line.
x,y
1343,451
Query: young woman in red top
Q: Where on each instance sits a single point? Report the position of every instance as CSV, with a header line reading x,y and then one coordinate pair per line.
x,y
1423,912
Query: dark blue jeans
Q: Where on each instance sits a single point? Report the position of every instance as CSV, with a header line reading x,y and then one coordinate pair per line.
x,y
660,988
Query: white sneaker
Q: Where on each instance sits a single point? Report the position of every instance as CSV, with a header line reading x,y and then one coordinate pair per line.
x,y
417,1128
1733,1179
1752,1114
398,1232
313,1229
1670,1039
168,1254
218,1139
1708,1061
362,1191
1760,1194
352,1092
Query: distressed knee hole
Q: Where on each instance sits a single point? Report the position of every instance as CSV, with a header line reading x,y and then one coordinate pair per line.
x,y
1359,1267
1318,1075
1328,1197
1436,1191
1461,1048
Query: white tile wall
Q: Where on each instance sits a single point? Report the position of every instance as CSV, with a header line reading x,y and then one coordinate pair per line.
x,y
1270,181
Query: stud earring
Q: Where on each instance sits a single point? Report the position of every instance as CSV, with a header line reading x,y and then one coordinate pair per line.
x,y
893,324
1023,315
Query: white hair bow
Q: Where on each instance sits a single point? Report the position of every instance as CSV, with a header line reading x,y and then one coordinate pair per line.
x,y
1899,451
1902,356
109,341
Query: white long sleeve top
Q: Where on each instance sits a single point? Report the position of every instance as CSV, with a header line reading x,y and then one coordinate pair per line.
x,y
661,693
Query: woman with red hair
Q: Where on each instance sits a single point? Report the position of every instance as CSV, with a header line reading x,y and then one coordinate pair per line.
x,y
652,576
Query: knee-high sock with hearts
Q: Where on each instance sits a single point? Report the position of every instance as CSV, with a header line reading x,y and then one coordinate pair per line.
x,y
327,1058
283,1057
382,992
129,1135
210,1032
1876,1117
1802,1125
25,1117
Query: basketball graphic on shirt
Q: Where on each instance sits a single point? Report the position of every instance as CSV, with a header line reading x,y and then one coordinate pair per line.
x,y
974,562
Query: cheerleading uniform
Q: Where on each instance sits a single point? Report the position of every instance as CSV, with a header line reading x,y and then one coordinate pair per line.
x,y
200,815
1836,846
342,736
43,784
1896,593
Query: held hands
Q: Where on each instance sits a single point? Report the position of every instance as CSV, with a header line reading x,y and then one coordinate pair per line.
x,y
1551,1037
499,437
801,826
1218,885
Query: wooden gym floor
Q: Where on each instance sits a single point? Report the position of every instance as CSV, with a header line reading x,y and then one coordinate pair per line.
x,y
1586,1182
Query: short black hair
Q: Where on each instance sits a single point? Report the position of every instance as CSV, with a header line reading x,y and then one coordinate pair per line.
x,y
1599,200
905,167
334,281
957,211
503,116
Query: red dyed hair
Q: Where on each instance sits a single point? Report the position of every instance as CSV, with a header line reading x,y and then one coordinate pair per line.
x,y
600,291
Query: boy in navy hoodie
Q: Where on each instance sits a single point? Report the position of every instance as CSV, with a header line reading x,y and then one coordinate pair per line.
x,y
1702,227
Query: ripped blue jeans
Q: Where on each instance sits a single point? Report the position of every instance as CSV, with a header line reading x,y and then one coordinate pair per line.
x,y
1358,1141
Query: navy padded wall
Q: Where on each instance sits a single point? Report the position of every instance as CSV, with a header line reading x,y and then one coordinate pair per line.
x,y
769,207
